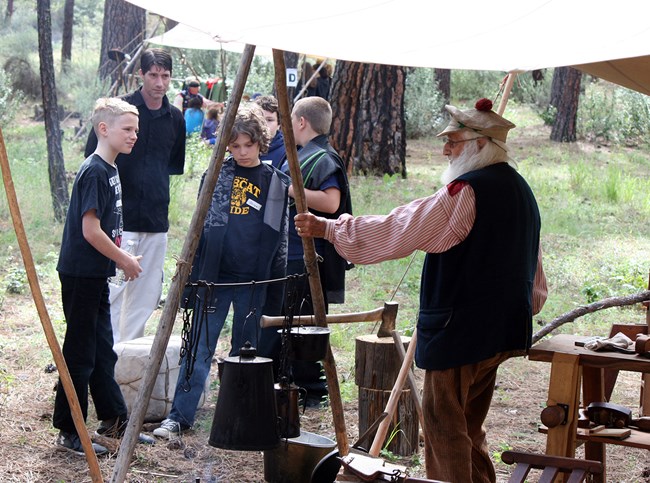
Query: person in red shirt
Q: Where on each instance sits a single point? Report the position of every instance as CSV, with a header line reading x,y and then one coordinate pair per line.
x,y
482,281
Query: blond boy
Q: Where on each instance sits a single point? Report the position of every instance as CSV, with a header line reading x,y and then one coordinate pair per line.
x,y
89,254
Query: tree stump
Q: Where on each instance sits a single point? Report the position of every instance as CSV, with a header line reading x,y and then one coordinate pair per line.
x,y
376,367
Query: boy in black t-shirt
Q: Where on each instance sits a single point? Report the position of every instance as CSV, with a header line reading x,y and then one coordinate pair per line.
x,y
89,253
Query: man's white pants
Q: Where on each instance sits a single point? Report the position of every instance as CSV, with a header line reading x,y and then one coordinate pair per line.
x,y
133,302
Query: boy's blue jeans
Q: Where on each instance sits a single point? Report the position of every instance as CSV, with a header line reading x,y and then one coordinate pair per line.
x,y
245,300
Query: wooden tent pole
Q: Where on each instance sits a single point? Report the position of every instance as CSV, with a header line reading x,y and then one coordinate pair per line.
x,y
309,252
183,267
313,76
41,308
510,80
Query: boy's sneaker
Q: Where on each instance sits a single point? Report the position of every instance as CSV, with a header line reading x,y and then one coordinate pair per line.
x,y
168,429
72,443
115,428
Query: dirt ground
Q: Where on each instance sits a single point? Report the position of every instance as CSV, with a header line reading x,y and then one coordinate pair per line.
x,y
28,454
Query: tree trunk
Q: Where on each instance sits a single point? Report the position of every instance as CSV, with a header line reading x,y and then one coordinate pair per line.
x,y
56,165
368,126
443,79
565,94
66,42
10,11
123,30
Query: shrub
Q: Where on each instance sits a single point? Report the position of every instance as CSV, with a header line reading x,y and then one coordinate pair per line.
x,y
19,37
423,103
468,86
22,77
611,114
79,87
10,100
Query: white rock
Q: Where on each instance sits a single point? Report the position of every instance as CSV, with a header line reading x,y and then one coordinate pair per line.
x,y
133,357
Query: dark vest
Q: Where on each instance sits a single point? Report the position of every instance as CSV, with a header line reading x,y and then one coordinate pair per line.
x,y
476,298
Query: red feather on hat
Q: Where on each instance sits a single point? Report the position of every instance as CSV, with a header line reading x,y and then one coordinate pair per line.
x,y
483,105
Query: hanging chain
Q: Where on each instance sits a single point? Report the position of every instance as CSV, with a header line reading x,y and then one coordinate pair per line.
x,y
292,298
200,302
195,321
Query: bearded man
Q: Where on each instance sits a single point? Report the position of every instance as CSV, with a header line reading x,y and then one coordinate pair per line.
x,y
482,281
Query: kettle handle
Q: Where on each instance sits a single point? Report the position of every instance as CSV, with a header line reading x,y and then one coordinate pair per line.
x,y
303,392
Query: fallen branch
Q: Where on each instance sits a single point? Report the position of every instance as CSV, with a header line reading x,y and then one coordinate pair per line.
x,y
587,309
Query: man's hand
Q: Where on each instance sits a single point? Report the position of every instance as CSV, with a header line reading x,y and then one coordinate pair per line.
x,y
311,226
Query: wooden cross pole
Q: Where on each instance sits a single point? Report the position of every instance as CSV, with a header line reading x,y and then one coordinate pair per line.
x,y
183,267
41,308
309,252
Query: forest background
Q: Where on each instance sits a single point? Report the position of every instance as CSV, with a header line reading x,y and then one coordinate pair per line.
x,y
594,193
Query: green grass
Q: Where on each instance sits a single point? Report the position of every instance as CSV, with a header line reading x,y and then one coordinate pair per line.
x,y
595,203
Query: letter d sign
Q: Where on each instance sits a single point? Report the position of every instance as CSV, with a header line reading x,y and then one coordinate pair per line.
x,y
292,77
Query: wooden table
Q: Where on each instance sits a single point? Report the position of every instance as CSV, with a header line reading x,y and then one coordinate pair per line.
x,y
572,365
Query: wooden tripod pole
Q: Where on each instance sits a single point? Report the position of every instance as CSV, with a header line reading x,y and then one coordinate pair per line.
x,y
309,252
183,267
41,308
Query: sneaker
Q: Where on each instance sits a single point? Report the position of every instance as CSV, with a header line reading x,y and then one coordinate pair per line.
x,y
72,443
168,429
112,428
115,428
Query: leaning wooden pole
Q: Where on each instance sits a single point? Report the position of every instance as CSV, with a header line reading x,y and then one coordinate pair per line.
x,y
41,308
510,80
310,252
183,268
396,392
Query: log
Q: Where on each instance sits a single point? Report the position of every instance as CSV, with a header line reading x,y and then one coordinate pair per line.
x,y
377,365
404,422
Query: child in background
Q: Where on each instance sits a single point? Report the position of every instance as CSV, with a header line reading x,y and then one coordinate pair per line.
x,y
210,125
277,152
194,116
89,253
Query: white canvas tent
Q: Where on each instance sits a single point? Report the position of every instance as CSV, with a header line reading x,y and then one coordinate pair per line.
x,y
186,37
608,39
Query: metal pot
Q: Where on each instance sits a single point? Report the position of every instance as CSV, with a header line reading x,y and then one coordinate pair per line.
x,y
295,459
245,417
286,398
309,343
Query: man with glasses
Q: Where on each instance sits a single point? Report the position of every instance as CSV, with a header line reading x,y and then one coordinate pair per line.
x,y
482,281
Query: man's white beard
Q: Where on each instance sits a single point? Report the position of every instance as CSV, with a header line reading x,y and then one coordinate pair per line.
x,y
469,160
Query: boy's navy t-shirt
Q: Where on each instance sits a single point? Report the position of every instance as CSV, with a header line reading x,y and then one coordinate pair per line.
x,y
97,186
245,219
